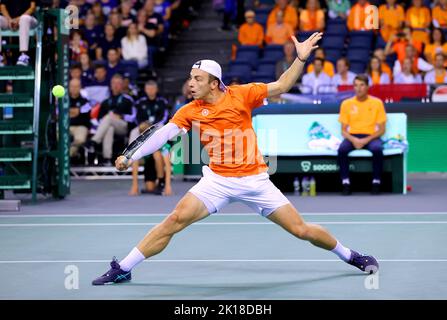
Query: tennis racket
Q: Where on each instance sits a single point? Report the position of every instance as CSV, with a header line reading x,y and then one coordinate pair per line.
x,y
138,142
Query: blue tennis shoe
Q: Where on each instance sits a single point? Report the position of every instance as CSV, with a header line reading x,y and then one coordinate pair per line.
x,y
365,263
114,275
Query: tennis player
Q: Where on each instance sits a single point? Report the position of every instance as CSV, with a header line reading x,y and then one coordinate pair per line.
x,y
237,172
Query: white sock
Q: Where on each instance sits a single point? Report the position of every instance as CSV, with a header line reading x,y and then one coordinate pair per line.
x,y
342,252
346,181
132,259
376,181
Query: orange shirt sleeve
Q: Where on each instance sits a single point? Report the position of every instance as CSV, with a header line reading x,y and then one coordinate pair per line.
x,y
272,17
254,94
182,117
320,20
242,36
351,18
344,112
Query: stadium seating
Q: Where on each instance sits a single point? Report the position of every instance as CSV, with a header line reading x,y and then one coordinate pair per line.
x,y
333,42
266,70
360,39
333,55
248,57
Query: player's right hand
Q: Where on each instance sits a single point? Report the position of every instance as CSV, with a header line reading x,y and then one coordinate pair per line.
x,y
122,163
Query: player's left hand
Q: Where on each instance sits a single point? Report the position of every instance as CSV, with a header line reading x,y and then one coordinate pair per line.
x,y
167,191
305,48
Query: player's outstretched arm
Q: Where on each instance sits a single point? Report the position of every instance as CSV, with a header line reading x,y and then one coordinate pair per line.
x,y
152,144
289,77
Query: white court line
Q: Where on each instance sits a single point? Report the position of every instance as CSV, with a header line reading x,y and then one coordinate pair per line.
x,y
94,215
206,223
212,260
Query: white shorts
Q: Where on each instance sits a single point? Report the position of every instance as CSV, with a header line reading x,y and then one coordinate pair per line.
x,y
256,191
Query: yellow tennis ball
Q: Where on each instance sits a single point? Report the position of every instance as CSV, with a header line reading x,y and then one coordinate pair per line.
x,y
58,91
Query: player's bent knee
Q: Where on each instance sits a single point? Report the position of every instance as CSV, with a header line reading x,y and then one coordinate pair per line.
x,y
301,231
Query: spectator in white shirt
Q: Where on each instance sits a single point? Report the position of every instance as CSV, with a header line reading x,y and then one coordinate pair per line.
x,y
407,76
410,52
438,75
134,46
343,75
316,81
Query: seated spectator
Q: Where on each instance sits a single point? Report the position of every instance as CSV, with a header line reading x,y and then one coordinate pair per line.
x,y
79,117
87,70
406,75
127,14
115,21
113,63
186,96
357,18
279,32
151,109
418,64
115,116
251,33
134,46
78,46
92,33
437,45
439,14
163,8
100,18
316,81
75,71
397,44
418,18
438,75
328,66
375,74
98,90
339,9
312,18
108,5
392,18
289,57
18,16
343,75
290,15
110,41
130,88
154,25
380,53
363,120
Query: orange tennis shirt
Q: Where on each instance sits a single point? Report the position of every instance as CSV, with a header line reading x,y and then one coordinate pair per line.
x,y
226,130
362,116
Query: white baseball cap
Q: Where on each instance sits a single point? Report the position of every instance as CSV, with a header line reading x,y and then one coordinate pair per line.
x,y
213,68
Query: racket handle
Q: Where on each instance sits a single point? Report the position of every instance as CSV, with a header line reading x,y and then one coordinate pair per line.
x,y
126,160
